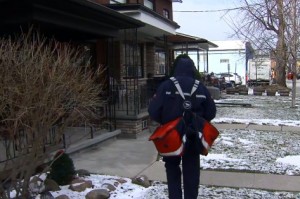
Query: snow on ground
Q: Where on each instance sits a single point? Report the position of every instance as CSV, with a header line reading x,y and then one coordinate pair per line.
x,y
248,150
159,191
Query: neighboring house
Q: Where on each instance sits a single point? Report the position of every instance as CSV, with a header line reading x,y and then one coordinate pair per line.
x,y
195,47
229,56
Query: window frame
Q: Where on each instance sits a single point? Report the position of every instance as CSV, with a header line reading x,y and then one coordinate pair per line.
x,y
166,13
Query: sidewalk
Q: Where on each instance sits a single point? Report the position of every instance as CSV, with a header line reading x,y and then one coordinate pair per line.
x,y
134,157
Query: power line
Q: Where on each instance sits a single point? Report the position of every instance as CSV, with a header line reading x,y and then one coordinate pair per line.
x,y
220,10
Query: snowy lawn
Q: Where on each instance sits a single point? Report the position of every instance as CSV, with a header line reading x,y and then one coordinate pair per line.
x,y
257,151
246,150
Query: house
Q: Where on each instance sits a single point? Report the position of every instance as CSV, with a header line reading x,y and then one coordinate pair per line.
x,y
140,53
81,22
145,58
133,38
195,47
78,21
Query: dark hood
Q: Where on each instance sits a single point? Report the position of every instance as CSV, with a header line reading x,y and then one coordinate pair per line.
x,y
185,67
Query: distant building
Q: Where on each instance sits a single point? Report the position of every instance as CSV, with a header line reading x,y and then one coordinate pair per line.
x,y
229,56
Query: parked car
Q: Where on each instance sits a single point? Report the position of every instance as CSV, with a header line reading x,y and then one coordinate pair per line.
x,y
232,78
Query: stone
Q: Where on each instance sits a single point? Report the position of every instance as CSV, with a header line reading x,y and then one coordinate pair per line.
x,y
98,194
142,180
62,197
51,185
121,180
79,187
46,195
36,185
77,180
109,187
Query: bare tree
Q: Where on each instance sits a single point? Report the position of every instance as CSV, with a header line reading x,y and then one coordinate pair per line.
x,y
292,8
44,85
273,25
263,24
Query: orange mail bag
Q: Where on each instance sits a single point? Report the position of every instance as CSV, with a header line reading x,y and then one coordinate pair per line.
x,y
208,136
167,140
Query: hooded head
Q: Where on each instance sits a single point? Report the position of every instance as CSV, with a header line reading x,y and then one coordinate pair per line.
x,y
184,66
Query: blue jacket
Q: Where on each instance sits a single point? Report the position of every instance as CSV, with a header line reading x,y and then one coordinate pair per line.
x,y
167,104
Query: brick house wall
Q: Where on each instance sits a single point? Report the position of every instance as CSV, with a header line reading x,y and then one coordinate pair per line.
x,y
160,5
150,59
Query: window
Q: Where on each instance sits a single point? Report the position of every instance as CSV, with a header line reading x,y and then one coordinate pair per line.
x,y
117,1
133,60
160,63
166,13
148,4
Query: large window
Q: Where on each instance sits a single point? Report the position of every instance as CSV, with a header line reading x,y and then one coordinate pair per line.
x,y
133,60
160,63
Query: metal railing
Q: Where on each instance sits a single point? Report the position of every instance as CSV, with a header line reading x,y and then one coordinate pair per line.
x,y
22,142
130,101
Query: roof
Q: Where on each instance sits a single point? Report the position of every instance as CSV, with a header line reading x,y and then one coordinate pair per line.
x,y
65,19
190,42
229,45
152,19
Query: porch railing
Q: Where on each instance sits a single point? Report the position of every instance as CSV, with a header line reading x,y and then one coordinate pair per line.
x,y
130,101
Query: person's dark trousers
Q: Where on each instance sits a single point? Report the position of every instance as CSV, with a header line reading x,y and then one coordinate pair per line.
x,y
191,176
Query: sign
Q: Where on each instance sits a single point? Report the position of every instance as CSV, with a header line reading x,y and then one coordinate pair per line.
x,y
224,60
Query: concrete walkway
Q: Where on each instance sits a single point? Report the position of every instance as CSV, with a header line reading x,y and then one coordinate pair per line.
x,y
134,157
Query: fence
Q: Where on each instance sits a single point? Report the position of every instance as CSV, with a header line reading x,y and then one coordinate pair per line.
x,y
130,101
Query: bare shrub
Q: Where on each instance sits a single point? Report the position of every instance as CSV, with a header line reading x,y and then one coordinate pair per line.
x,y
44,85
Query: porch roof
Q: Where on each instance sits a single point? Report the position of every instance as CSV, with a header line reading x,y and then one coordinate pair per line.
x,y
64,19
187,42
155,24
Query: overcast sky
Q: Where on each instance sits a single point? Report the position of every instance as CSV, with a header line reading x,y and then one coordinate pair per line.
x,y
209,25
